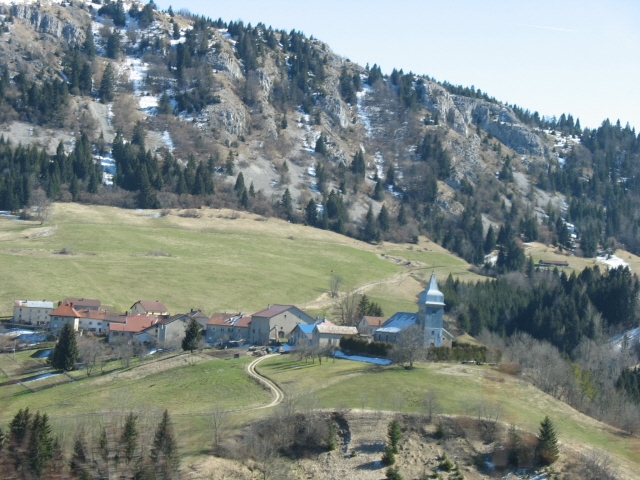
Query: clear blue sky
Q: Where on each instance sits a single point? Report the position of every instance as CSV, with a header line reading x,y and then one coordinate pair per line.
x,y
579,57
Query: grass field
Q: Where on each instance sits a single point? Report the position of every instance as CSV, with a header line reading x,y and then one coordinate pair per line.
x,y
222,260
459,389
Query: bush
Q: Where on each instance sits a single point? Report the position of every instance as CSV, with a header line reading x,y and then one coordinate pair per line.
x,y
393,473
355,344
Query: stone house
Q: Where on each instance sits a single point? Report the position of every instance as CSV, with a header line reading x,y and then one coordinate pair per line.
x,y
368,324
222,327
326,334
64,314
149,307
166,333
132,325
32,312
275,322
301,335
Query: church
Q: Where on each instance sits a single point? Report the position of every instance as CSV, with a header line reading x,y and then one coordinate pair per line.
x,y
430,318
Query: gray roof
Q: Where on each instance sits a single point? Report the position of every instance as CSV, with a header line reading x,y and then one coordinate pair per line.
x,y
432,294
33,304
398,322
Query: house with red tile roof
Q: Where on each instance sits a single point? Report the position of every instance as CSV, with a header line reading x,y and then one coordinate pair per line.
x,y
222,327
168,332
199,317
65,313
275,322
82,303
368,324
149,307
133,324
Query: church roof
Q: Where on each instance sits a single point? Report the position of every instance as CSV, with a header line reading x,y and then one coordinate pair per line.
x,y
431,295
398,322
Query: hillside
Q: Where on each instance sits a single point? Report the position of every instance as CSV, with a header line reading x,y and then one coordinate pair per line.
x,y
205,259
317,139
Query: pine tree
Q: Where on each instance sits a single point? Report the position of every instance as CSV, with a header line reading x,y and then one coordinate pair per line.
x,y
40,444
548,450
311,213
88,46
490,240
164,453
107,85
229,165
287,203
402,215
383,219
113,45
65,353
192,336
370,233
394,435
129,436
378,192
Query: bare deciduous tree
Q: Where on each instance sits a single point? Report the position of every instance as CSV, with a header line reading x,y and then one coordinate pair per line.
x,y
42,205
220,423
597,465
90,352
335,282
430,405
346,309
409,346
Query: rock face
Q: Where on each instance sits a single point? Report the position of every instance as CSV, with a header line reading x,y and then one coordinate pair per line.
x,y
463,112
46,23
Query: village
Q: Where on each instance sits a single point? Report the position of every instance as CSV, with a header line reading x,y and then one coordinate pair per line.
x,y
149,323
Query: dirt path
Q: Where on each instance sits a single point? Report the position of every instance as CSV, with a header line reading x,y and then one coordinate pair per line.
x,y
325,300
275,389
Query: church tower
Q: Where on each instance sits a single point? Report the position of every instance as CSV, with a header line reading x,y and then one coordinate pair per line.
x,y
431,313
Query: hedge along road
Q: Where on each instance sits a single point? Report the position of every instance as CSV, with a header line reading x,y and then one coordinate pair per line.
x,y
275,389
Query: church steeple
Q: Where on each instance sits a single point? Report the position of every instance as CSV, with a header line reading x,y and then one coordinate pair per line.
x,y
432,294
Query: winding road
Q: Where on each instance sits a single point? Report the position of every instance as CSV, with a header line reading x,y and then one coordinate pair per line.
x,y
275,389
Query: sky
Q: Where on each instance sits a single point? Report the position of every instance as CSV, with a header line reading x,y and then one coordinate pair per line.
x,y
579,57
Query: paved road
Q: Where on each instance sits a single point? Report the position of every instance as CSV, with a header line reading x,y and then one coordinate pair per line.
x,y
277,393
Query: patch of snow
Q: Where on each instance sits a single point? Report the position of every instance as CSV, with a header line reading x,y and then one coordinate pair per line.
x,y
359,358
362,111
166,138
611,261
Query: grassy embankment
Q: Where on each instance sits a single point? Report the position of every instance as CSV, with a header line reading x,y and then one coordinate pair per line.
x,y
459,389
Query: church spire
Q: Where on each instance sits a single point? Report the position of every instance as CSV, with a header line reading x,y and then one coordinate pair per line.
x,y
432,294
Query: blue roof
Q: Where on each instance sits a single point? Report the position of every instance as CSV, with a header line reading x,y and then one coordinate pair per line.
x,y
432,294
398,322
306,328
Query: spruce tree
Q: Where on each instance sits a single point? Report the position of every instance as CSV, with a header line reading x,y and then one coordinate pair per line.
x,y
490,240
383,219
65,353
239,186
164,453
370,228
74,188
113,45
252,191
129,436
40,444
78,461
287,203
107,85
229,165
394,435
311,214
88,46
378,192
192,336
548,450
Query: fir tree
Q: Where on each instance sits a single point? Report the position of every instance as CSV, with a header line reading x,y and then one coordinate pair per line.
x,y
287,203
402,215
192,336
311,214
383,219
548,450
129,436
65,353
107,85
113,45
88,46
490,241
229,165
40,444
394,435
370,233
378,191
164,454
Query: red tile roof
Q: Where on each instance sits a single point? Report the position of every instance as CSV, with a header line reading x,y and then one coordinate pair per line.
x,y
152,306
93,314
243,322
374,321
82,302
220,318
65,310
272,311
135,323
